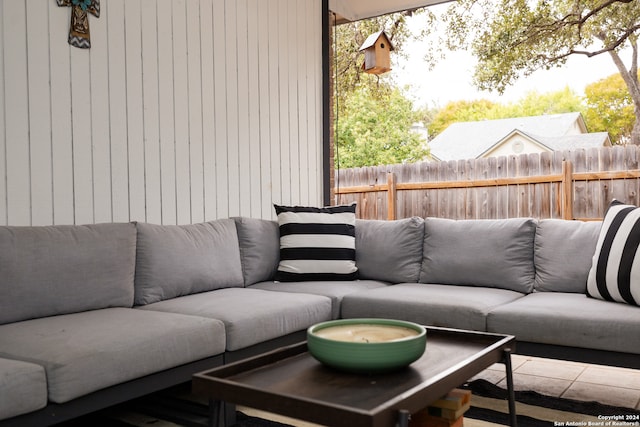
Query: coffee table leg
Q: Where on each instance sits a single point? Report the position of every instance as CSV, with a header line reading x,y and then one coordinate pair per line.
x,y
511,394
215,413
403,418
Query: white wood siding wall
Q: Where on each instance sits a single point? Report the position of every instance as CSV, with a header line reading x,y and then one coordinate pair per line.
x,y
182,111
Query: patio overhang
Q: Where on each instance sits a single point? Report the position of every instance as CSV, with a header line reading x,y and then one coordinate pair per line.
x,y
355,10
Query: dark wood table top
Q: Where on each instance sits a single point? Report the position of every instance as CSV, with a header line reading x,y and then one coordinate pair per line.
x,y
289,381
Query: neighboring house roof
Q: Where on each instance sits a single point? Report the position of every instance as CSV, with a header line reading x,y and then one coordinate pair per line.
x,y
571,142
556,143
470,140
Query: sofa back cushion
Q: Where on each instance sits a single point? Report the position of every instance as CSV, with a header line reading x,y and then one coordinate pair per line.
x,y
563,253
615,271
390,251
491,253
259,241
51,270
176,260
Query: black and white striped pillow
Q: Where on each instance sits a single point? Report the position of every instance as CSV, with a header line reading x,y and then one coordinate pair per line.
x,y
615,271
317,243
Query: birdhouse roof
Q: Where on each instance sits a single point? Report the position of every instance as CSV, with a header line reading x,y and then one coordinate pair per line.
x,y
373,38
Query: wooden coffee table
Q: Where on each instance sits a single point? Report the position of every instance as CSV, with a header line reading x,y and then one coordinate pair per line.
x,y
290,382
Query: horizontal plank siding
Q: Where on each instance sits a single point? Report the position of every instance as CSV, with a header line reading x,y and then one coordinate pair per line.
x,y
40,114
18,170
182,111
82,138
208,108
135,111
166,108
100,125
196,149
151,112
118,141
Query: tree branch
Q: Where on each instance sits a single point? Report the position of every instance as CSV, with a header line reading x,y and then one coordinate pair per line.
x,y
634,58
625,36
573,19
592,12
397,23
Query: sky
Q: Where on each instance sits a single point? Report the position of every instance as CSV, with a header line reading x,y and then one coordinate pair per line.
x,y
451,79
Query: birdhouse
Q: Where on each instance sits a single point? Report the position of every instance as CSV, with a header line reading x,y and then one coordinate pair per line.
x,y
377,53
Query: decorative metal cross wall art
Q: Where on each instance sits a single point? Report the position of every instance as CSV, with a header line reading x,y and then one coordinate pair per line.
x,y
79,35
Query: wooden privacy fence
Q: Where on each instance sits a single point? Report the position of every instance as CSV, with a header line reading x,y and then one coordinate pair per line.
x,y
576,184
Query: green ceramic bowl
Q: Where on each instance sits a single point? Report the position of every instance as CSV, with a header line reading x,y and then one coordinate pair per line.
x,y
367,345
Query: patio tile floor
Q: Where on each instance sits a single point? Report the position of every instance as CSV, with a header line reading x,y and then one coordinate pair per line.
x,y
571,380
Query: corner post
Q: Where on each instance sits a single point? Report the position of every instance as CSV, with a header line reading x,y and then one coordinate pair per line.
x,y
327,164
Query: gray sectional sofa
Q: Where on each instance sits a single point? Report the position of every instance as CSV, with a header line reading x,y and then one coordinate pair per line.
x,y
94,315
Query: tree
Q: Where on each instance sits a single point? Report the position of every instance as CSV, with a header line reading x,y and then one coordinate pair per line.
x,y
513,38
371,132
533,104
348,59
610,108
537,104
373,117
459,111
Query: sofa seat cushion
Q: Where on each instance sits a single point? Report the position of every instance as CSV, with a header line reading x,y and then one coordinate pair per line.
x,y
569,319
335,290
380,244
252,316
563,253
89,351
463,307
62,269
177,260
23,387
480,252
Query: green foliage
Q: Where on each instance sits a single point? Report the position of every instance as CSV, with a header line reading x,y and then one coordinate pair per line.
x,y
610,108
460,111
533,104
374,130
511,39
373,117
514,38
537,104
348,59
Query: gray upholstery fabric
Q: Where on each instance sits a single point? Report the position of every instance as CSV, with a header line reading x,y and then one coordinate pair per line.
x,y
491,253
23,387
563,254
252,316
335,290
259,241
569,319
85,352
45,271
176,260
463,307
390,251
